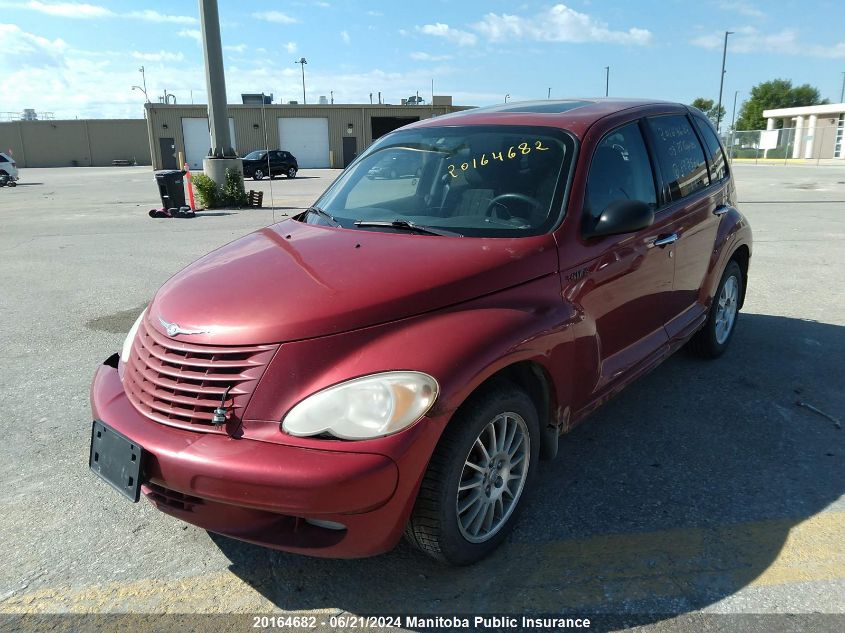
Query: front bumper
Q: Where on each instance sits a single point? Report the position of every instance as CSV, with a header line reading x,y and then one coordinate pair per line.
x,y
262,492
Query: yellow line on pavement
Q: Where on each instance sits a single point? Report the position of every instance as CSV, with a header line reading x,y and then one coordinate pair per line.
x,y
572,574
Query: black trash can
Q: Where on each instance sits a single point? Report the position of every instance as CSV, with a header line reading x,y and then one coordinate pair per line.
x,y
171,188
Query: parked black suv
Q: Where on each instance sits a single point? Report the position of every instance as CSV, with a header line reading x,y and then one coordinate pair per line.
x,y
256,164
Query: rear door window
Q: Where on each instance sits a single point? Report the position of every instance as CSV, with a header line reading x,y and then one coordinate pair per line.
x,y
718,164
620,170
679,156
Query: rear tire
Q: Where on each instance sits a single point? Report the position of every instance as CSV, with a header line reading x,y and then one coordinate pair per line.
x,y
713,338
291,172
257,174
465,507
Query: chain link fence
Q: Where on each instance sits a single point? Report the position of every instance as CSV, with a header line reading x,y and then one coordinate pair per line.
x,y
823,145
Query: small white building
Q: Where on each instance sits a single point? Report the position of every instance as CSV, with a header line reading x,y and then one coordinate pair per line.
x,y
819,129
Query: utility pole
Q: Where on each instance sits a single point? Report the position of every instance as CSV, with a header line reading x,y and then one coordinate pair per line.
x,y
144,82
302,61
606,81
549,95
842,94
331,92
221,155
722,82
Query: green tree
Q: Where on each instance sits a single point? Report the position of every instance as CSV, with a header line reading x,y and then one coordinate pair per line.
x,y
778,93
708,107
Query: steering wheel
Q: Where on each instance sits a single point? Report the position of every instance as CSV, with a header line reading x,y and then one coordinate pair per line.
x,y
496,203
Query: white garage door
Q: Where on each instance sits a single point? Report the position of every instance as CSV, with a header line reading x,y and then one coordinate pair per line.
x,y
197,141
307,139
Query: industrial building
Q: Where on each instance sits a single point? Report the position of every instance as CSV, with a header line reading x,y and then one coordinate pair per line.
x,y
76,143
320,136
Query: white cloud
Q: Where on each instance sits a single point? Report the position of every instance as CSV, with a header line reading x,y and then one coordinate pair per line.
x,y
68,9
193,34
785,42
155,16
375,14
556,24
160,56
275,16
27,50
344,35
236,48
428,57
290,47
456,36
87,11
743,8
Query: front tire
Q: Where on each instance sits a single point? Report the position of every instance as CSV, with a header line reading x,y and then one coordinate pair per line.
x,y
291,172
713,338
480,471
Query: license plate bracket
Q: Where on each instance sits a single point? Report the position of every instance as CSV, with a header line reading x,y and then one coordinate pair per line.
x,y
116,459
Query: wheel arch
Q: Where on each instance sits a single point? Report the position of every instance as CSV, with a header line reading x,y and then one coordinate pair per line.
x,y
535,380
742,256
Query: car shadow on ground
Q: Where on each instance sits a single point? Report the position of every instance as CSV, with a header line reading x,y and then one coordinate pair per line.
x,y
675,495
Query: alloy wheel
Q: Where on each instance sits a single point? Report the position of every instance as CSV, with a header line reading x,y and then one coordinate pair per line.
x,y
493,477
728,304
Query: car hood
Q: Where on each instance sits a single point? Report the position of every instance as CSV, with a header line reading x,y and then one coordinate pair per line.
x,y
293,281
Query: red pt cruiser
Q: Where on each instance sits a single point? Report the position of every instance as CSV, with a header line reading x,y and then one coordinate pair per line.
x,y
397,358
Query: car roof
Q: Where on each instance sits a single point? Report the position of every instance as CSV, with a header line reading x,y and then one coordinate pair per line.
x,y
575,115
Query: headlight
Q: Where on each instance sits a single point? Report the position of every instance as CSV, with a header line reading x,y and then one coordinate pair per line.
x,y
130,338
363,408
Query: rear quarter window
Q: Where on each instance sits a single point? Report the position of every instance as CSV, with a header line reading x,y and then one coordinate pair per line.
x,y
679,155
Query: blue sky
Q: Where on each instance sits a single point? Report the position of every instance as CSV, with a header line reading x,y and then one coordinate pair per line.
x,y
80,59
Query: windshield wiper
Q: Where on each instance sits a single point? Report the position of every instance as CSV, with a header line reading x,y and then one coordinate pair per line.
x,y
407,225
323,214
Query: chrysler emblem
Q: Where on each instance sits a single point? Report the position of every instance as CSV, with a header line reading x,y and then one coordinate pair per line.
x,y
173,329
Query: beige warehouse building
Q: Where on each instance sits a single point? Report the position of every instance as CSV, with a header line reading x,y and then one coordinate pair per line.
x,y
76,143
319,136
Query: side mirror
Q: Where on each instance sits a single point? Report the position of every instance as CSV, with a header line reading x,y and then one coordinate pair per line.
x,y
621,216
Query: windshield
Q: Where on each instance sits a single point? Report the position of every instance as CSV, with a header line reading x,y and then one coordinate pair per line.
x,y
491,181
256,155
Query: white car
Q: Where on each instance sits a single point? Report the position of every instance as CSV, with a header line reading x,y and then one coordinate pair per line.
x,y
8,166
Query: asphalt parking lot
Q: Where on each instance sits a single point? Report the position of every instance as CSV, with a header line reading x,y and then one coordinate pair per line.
x,y
702,488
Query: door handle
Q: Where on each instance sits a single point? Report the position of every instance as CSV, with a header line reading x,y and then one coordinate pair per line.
x,y
722,209
663,241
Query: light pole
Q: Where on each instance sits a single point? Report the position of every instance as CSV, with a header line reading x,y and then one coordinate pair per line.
x,y
302,63
549,95
144,82
331,92
606,80
507,96
722,82
142,90
842,94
